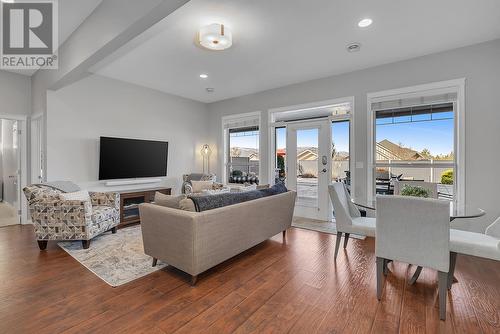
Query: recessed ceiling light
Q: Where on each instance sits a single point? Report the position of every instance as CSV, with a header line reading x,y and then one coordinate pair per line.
x,y
353,47
365,23
203,76
209,90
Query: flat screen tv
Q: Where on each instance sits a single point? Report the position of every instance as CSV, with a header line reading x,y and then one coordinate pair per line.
x,y
122,158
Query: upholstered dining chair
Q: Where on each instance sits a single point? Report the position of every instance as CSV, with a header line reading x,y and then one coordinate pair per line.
x,y
431,187
415,231
347,216
485,245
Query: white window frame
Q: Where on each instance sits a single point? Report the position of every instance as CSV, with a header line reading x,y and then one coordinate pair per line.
x,y
236,118
348,117
456,86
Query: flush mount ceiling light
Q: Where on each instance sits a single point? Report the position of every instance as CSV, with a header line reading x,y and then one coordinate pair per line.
x,y
215,37
365,23
353,47
209,90
203,76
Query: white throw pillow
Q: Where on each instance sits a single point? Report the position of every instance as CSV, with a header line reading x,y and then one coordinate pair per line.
x,y
82,195
199,186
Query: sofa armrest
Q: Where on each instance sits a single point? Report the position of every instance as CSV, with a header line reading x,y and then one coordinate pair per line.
x,y
168,234
105,198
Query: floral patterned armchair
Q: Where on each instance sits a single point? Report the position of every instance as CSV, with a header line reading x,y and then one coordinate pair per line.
x,y
57,219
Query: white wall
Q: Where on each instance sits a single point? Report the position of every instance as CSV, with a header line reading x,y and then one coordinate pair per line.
x,y
479,64
79,114
15,94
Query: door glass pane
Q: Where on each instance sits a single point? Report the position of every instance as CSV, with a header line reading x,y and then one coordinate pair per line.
x,y
9,173
340,153
280,149
307,167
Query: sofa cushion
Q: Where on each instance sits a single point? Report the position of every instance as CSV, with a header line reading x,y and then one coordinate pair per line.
x,y
187,204
168,201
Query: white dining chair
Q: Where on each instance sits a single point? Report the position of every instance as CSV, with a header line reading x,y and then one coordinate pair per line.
x,y
347,216
485,245
431,187
415,231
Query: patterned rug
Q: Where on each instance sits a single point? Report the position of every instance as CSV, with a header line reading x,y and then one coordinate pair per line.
x,y
319,226
115,258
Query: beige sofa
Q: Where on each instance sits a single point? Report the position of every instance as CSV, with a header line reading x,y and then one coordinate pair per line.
x,y
196,241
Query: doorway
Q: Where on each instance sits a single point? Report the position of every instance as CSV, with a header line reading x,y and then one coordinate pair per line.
x,y
10,172
308,166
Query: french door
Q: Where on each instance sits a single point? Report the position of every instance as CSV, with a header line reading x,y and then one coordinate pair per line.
x,y
308,150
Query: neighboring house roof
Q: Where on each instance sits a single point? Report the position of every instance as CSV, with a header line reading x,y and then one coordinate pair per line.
x,y
387,150
307,154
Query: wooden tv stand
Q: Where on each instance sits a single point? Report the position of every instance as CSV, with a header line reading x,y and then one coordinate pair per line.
x,y
130,200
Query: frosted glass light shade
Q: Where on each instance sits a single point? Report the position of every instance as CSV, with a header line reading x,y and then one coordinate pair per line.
x,y
215,37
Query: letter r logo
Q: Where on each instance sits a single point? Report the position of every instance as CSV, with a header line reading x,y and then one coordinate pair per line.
x,y
27,28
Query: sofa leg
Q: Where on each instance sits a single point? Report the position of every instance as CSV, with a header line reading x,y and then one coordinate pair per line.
x,y
194,279
42,244
113,230
155,261
85,244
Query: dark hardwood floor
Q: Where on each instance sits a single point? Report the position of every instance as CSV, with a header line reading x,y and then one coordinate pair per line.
x,y
272,288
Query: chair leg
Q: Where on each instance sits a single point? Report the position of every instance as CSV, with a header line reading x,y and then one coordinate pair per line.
x,y
346,239
380,276
42,244
284,234
155,261
453,261
443,290
194,279
113,230
386,268
337,244
85,244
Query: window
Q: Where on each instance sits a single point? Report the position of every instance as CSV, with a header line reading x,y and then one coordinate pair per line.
x,y
280,154
340,152
243,155
416,143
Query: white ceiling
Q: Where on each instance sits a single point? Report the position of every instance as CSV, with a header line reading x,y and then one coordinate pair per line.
x,y
281,42
71,14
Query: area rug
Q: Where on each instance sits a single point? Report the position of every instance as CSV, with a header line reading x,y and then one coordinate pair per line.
x,y
115,258
319,226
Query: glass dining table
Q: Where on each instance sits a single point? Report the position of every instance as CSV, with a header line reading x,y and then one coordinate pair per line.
x,y
456,212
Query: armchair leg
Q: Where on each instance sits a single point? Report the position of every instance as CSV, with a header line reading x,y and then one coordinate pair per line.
x,y
194,279
284,234
443,291
337,244
42,244
85,244
453,261
380,276
346,239
155,261
113,230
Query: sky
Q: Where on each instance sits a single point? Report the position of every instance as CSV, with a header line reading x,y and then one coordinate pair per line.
x,y
436,136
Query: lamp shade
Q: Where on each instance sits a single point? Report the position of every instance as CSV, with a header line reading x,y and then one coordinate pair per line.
x,y
206,150
215,37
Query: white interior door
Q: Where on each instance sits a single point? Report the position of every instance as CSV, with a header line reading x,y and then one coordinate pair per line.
x,y
308,160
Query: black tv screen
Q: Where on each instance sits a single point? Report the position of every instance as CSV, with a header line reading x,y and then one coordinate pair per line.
x,y
122,158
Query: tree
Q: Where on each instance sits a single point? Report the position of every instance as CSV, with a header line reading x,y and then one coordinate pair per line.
x,y
426,153
235,152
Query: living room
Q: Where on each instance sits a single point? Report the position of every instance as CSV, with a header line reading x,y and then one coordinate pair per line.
x,y
232,166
